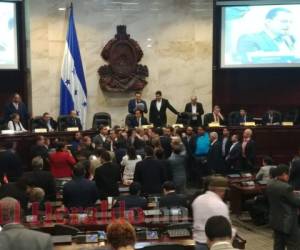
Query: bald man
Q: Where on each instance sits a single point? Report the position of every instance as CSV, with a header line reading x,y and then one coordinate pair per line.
x,y
14,236
195,110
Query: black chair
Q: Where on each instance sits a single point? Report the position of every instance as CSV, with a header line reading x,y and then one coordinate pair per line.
x,y
34,122
128,118
184,118
205,120
292,116
60,229
61,122
164,247
101,118
3,124
232,118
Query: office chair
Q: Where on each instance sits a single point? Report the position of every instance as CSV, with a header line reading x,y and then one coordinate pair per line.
x,y
291,116
127,119
34,122
232,117
61,122
60,229
101,118
164,247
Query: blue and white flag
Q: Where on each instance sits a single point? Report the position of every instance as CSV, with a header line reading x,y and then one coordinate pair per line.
x,y
73,93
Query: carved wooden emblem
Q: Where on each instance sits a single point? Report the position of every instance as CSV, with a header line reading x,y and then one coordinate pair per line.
x,y
123,73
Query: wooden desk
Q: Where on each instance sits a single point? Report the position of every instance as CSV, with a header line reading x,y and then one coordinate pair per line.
x,y
188,243
238,194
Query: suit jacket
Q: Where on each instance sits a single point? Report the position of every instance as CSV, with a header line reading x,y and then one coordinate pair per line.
x,y
22,111
215,160
190,144
250,154
11,189
165,142
150,173
73,122
227,145
234,156
99,142
80,193
295,175
208,118
132,106
132,201
44,180
199,110
41,123
11,165
173,200
266,119
258,42
239,119
133,122
223,245
107,177
284,205
17,237
159,117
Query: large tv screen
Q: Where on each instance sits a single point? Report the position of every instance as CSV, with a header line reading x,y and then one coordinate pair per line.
x,y
8,36
260,36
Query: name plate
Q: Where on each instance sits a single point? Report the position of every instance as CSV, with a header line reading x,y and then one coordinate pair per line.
x,y
147,126
40,130
177,125
249,124
287,124
7,132
72,129
214,124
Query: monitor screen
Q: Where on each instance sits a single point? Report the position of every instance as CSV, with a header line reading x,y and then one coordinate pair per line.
x,y
8,36
260,36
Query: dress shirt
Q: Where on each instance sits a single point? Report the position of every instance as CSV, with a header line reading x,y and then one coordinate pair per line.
x,y
16,126
194,112
204,207
49,126
158,105
244,144
16,105
103,137
224,141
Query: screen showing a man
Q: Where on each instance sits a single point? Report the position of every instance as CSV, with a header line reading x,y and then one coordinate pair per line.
x,y
261,36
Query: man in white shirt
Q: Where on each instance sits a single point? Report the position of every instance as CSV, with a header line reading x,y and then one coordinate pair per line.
x,y
208,205
219,233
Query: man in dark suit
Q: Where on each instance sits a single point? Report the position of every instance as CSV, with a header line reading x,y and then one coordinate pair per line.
x,y
276,37
39,148
189,141
137,104
102,140
79,192
233,158
47,122
195,110
73,121
215,116
10,163
41,178
137,120
14,236
242,117
171,198
158,108
150,173
133,200
225,142
271,118
215,161
284,207
248,151
107,177
16,106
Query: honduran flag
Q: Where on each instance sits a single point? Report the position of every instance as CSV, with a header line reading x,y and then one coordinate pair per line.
x,y
73,92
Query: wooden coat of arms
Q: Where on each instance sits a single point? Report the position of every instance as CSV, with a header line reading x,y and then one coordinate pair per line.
x,y
123,73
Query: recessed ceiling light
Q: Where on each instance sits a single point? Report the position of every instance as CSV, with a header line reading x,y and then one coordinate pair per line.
x,y
61,9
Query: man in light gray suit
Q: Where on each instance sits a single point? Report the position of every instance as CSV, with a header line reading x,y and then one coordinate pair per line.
x,y
14,236
219,233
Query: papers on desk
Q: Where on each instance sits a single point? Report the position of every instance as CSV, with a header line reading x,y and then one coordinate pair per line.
x,y
72,129
40,130
7,132
214,125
